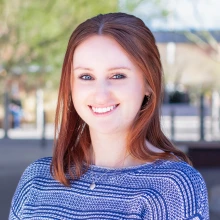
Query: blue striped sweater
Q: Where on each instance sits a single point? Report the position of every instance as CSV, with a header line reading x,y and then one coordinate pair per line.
x,y
158,190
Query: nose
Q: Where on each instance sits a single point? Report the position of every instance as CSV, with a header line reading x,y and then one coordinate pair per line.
x,y
102,92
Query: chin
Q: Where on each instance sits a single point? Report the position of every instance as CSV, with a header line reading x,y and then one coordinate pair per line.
x,y
105,129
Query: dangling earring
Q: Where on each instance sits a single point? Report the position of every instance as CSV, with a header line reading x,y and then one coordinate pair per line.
x,y
81,129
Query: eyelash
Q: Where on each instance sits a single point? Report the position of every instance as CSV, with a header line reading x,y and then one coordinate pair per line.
x,y
86,76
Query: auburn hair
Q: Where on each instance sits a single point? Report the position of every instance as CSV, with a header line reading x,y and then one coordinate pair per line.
x,y
72,138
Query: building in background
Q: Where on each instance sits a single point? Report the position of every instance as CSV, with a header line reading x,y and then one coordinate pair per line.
x,y
188,37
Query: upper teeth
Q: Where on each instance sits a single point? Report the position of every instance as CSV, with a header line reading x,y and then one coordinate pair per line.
x,y
102,110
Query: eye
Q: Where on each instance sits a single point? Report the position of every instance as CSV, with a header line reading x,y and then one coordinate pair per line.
x,y
118,76
85,77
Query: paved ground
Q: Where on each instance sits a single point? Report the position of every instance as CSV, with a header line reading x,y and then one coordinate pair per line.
x,y
15,155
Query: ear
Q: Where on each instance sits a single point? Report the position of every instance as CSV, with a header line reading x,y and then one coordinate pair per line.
x,y
148,90
148,93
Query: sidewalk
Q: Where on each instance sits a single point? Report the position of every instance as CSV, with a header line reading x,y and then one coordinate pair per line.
x,y
29,132
16,155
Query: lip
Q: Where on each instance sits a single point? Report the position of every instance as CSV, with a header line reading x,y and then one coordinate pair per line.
x,y
104,113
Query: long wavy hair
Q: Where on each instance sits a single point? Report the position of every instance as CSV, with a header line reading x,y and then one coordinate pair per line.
x,y
72,138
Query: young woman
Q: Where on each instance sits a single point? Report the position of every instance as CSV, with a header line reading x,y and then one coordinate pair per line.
x,y
111,159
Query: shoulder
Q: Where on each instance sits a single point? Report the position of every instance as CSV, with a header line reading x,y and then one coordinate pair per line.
x,y
42,163
171,165
182,170
40,167
172,175
180,173
181,186
192,188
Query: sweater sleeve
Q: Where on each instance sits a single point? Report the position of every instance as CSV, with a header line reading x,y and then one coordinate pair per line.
x,y
183,195
196,196
22,192
202,198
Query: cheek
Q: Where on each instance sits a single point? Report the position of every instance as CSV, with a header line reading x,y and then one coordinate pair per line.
x,y
78,105
135,92
135,99
80,99
77,93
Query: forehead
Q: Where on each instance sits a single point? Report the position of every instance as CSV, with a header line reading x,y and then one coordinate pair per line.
x,y
101,49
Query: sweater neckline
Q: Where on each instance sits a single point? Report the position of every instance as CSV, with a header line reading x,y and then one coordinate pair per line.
x,y
123,169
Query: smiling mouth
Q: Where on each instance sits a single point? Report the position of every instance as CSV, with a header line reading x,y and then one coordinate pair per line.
x,y
103,110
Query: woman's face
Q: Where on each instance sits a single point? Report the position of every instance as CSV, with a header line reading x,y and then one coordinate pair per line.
x,y
107,87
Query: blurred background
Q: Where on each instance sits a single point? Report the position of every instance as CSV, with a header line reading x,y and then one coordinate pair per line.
x,y
33,40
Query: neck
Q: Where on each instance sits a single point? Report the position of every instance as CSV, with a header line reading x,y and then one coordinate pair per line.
x,y
111,150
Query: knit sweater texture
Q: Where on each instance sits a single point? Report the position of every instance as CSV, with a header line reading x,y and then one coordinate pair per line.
x,y
161,190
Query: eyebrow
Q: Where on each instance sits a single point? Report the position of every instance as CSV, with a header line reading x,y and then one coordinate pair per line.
x,y
82,68
110,69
